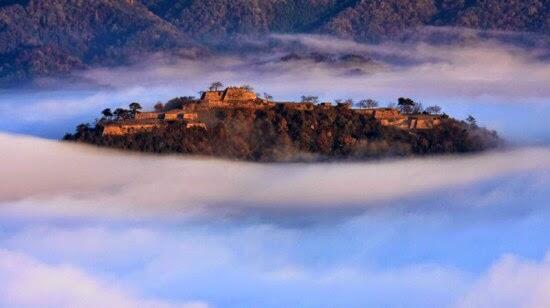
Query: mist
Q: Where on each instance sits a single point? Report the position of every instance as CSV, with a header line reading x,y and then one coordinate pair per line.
x,y
80,222
142,230
81,180
504,85
147,230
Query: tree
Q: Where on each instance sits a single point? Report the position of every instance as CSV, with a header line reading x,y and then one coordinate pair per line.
x,y
310,99
406,105
159,107
247,87
135,107
348,101
107,113
268,97
81,128
418,108
121,113
367,103
433,109
472,121
216,86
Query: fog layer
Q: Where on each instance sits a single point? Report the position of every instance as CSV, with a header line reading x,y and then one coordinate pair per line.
x,y
86,226
77,180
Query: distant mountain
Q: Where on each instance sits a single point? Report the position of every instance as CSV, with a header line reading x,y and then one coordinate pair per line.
x,y
48,37
45,37
371,19
361,19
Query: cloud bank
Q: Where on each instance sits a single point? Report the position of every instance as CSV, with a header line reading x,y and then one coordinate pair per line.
x,y
469,70
86,225
68,179
142,266
27,282
511,282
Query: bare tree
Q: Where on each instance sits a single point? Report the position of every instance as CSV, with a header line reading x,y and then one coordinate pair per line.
x,y
310,99
418,108
347,103
367,103
433,109
216,86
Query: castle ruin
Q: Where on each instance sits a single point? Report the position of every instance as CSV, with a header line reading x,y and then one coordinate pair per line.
x,y
192,114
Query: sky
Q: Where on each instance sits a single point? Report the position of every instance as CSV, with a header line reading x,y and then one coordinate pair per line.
x,y
88,227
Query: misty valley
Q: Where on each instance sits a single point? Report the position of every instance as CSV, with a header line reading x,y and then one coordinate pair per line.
x,y
275,153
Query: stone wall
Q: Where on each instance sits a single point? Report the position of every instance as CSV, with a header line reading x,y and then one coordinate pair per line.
x,y
387,113
196,125
241,98
146,115
228,97
174,115
212,96
393,117
424,121
125,129
238,94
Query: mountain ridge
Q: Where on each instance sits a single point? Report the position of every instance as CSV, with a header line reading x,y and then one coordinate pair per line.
x,y
52,37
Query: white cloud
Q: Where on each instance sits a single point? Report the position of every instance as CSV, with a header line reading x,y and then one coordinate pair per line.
x,y
393,260
232,268
472,69
512,282
27,282
59,179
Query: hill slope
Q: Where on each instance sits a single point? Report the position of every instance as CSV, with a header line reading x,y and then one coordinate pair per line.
x,y
48,37
55,36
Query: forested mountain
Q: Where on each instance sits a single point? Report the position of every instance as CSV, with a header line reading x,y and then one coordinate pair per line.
x,y
56,36
370,19
361,19
43,37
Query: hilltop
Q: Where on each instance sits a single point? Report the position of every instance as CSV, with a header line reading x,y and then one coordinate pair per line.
x,y
235,123
56,37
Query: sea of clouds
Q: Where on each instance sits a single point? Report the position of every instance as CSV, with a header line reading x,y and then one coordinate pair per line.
x,y
83,226
87,227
